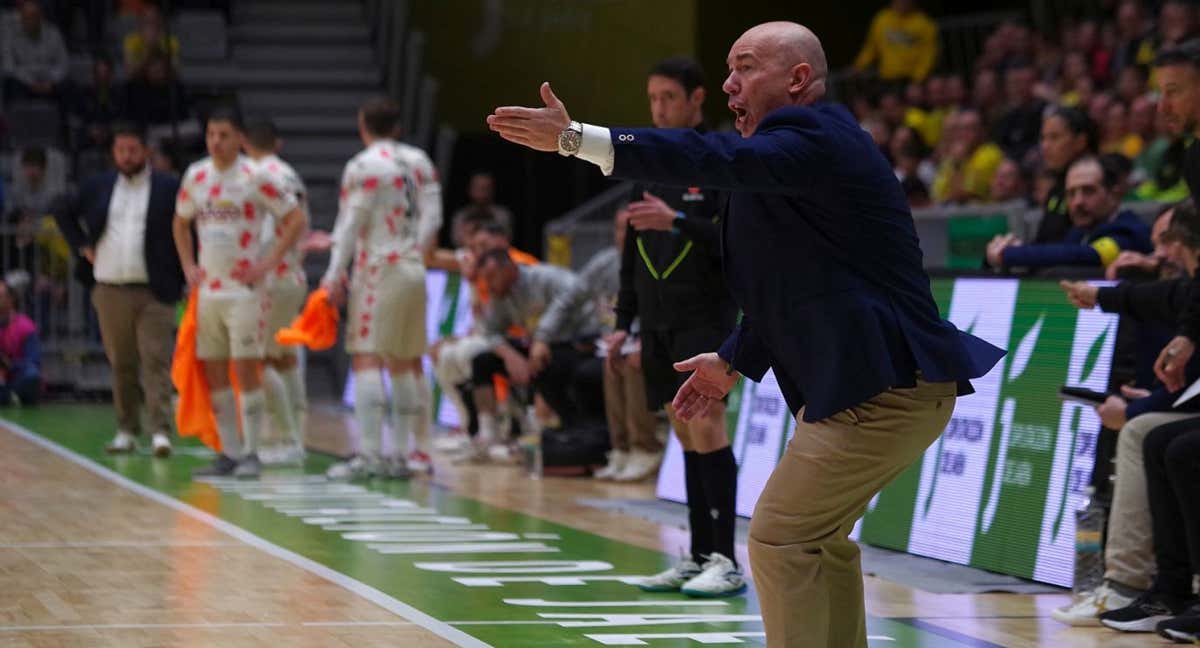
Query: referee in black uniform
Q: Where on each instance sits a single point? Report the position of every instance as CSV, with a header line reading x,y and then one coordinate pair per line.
x,y
671,280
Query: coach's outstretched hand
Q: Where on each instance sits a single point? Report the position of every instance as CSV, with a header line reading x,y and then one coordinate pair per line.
x,y
537,128
709,382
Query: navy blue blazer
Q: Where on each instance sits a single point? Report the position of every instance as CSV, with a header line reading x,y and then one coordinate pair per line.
x,y
1098,246
821,254
84,224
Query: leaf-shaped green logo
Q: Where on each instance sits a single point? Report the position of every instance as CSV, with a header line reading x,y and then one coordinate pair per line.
x,y
1062,504
1093,354
1025,349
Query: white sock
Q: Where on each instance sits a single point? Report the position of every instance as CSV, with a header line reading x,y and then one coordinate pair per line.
x,y
451,390
293,381
224,407
279,406
369,403
410,411
487,428
253,411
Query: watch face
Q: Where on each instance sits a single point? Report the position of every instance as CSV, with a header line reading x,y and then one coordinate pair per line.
x,y
570,140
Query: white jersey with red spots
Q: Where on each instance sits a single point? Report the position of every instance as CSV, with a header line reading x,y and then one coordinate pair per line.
x,y
390,208
229,208
282,175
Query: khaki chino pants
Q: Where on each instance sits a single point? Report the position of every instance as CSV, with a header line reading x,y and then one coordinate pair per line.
x,y
138,332
806,568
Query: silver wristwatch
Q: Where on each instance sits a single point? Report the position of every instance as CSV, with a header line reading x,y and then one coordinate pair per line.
x,y
570,139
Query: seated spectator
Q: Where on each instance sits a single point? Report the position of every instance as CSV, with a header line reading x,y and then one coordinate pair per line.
x,y
99,105
1074,69
155,99
970,162
1131,84
20,354
1177,23
985,97
556,303
34,195
910,157
636,452
149,37
1132,539
1100,230
1097,108
1117,137
901,43
481,207
1159,264
34,57
1135,42
1010,183
1017,131
1067,135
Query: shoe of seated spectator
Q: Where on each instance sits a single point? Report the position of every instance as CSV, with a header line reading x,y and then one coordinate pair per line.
x,y
1145,613
1087,609
616,463
641,464
123,443
1184,628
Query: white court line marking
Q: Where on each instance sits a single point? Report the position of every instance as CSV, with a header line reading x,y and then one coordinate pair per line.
x,y
541,536
139,626
116,544
377,597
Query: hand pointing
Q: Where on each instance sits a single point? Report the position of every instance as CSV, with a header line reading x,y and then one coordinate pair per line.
x,y
536,128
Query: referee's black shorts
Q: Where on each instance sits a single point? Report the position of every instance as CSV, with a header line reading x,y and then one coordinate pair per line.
x,y
662,349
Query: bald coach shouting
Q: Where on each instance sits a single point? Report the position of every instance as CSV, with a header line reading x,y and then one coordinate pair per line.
x,y
822,256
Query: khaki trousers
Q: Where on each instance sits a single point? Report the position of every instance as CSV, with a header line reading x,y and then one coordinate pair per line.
x,y
630,424
806,569
138,332
1129,553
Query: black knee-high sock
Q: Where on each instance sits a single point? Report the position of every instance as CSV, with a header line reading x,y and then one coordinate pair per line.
x,y
719,470
468,395
699,513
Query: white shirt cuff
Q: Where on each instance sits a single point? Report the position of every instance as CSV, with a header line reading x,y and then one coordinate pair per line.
x,y
596,147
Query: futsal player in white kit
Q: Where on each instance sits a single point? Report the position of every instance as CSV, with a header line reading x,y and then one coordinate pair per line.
x,y
287,287
227,198
388,218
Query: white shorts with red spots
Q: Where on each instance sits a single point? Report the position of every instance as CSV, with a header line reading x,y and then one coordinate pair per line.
x,y
231,326
387,310
285,298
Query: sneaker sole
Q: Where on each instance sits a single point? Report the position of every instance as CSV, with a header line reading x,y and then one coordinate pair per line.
x,y
1141,625
1075,621
1179,637
162,453
658,588
708,595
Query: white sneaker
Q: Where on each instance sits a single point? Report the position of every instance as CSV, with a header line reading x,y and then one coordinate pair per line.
x,y
640,465
1087,610
162,446
354,469
501,453
719,578
123,443
672,579
616,463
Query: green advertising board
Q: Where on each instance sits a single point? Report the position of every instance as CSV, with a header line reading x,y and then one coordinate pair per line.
x,y
999,488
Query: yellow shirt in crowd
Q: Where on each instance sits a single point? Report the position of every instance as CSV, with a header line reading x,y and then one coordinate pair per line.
x,y
977,173
905,46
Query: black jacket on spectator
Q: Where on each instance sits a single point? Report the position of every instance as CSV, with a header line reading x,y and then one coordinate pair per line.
x,y
1155,305
84,225
686,288
1019,129
1055,221
1189,322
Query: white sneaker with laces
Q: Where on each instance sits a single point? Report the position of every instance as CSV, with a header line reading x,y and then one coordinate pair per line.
x,y
641,464
420,463
616,463
284,454
1087,610
451,442
719,578
161,445
672,579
